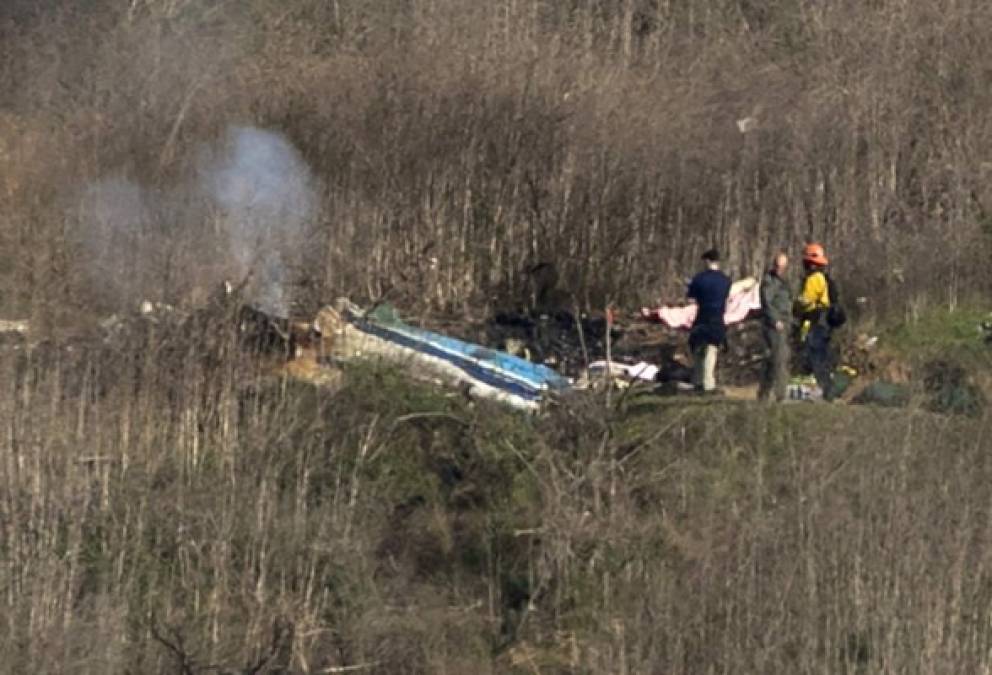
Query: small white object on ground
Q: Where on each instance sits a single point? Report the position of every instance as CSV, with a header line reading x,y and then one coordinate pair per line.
x,y
638,371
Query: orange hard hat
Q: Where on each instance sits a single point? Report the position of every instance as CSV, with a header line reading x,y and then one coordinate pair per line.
x,y
814,253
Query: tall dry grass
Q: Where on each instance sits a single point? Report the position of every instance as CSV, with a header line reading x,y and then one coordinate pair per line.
x,y
208,518
457,144
162,510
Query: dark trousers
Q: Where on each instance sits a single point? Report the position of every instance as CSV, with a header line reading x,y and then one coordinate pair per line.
x,y
775,376
820,360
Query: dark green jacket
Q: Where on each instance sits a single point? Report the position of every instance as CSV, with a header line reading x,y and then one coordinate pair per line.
x,y
776,299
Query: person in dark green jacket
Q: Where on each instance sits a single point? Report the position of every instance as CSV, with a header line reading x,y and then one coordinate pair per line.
x,y
776,318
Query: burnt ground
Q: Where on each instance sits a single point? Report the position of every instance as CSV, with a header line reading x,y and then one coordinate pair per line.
x,y
567,343
122,350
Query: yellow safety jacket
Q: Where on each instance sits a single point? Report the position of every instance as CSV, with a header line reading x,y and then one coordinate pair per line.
x,y
813,301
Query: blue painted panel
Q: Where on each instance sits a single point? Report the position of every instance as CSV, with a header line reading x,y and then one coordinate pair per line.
x,y
496,369
521,367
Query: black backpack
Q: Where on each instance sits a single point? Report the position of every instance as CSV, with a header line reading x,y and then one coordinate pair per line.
x,y
836,316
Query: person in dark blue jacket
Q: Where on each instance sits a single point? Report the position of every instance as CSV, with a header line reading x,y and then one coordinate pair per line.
x,y
709,289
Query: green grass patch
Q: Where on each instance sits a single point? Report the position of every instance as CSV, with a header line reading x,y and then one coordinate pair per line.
x,y
939,332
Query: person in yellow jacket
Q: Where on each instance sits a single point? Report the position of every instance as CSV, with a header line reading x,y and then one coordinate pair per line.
x,y
811,308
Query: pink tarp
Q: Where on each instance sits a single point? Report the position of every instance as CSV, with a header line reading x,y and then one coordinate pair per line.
x,y
744,298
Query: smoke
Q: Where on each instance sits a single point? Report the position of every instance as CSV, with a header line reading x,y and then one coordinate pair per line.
x,y
265,193
240,214
116,223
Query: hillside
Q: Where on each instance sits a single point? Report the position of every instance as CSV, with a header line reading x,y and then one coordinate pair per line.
x,y
440,151
171,502
227,521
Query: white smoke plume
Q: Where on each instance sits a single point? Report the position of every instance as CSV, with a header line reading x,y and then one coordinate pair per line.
x,y
242,214
266,196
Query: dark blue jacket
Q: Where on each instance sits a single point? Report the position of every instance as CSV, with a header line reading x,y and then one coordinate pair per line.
x,y
710,290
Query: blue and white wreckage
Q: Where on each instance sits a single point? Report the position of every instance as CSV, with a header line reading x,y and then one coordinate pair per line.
x,y
348,332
